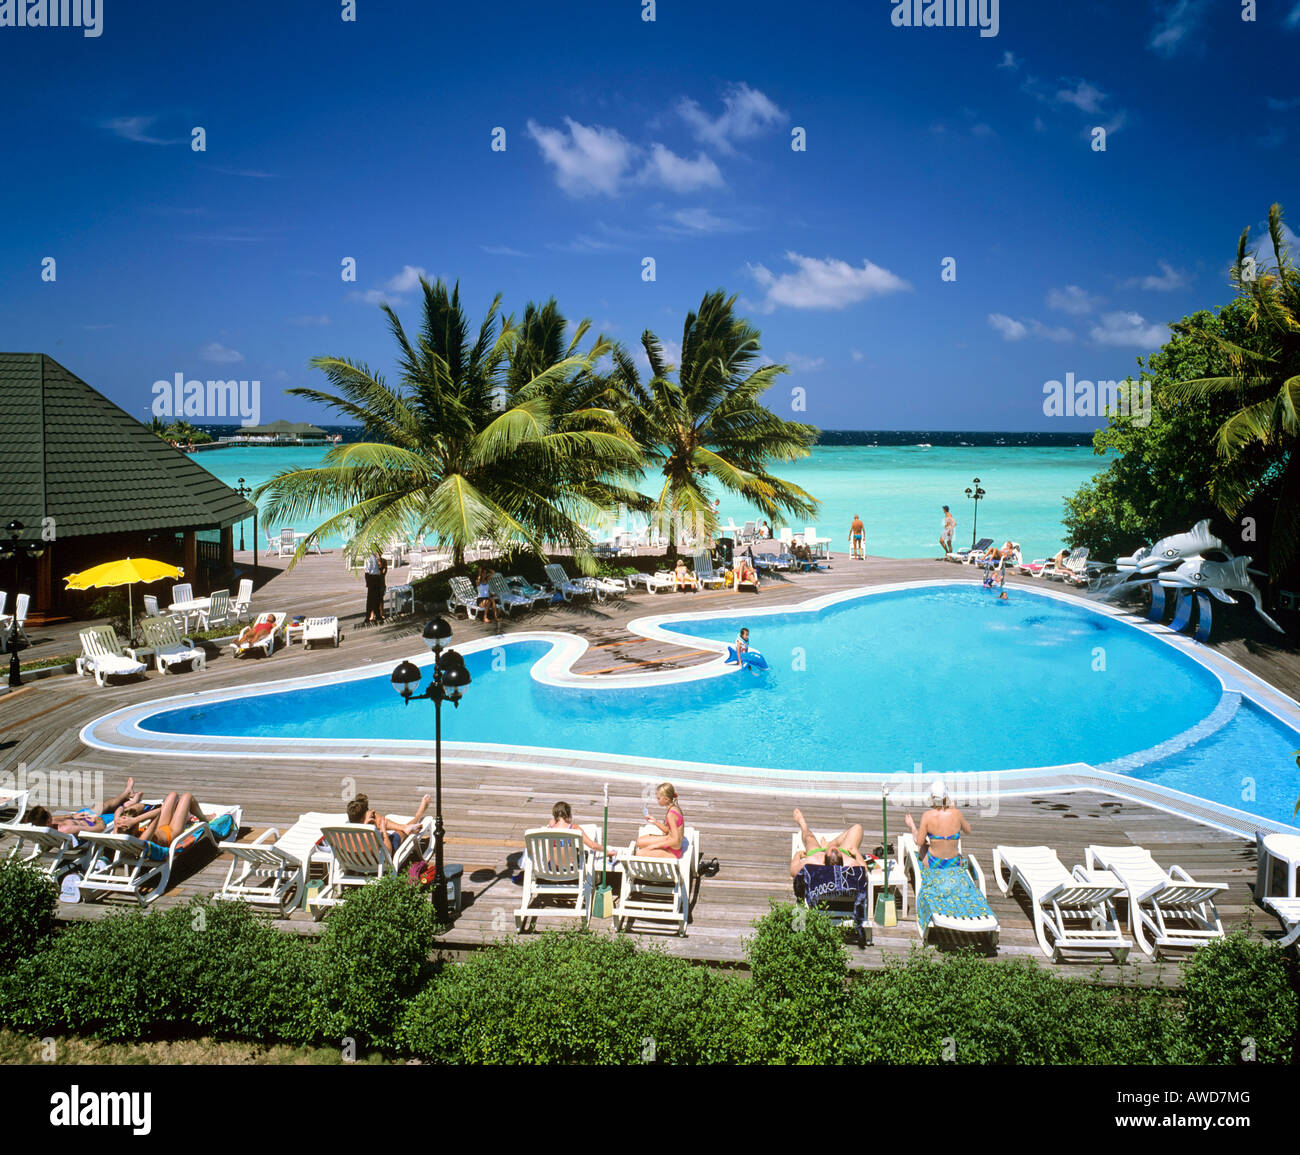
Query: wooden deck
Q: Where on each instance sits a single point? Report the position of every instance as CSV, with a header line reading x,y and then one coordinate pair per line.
x,y
487,808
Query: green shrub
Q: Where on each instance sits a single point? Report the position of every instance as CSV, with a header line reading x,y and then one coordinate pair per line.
x,y
371,959
1236,990
579,998
27,902
799,967
966,1009
205,968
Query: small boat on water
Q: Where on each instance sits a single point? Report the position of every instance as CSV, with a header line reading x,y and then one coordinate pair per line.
x,y
925,445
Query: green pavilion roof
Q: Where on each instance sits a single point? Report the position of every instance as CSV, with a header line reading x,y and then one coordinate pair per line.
x,y
67,452
289,428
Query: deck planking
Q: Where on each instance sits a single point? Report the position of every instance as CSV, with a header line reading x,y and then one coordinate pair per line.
x,y
487,808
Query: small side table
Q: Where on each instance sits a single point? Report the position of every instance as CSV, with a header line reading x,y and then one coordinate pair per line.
x,y
897,881
292,631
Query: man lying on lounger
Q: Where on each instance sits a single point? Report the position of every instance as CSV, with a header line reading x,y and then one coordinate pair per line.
x,y
838,851
115,814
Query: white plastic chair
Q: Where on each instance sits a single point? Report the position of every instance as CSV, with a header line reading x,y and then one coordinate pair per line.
x,y
557,866
243,603
169,648
102,655
219,613
182,593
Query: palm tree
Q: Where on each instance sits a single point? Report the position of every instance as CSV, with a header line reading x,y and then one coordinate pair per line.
x,y
710,423
1266,381
458,449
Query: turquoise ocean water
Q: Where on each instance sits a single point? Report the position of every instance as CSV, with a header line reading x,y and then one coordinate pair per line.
x,y
898,490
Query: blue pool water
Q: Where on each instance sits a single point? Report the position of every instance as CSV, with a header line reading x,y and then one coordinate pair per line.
x,y
947,676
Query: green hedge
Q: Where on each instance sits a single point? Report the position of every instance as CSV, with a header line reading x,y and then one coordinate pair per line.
x,y
218,969
27,902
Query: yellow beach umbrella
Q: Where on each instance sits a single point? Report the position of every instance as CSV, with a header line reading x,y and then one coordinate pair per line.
x,y
126,572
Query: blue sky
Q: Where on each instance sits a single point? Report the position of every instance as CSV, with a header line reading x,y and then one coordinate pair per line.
x,y
628,139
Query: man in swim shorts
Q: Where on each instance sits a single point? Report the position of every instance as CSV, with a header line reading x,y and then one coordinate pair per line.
x,y
858,539
949,528
839,851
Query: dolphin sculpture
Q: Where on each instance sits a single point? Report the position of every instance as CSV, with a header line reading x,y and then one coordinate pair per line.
x,y
1197,542
1217,577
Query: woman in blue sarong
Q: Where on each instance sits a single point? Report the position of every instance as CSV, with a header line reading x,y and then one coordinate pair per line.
x,y
946,885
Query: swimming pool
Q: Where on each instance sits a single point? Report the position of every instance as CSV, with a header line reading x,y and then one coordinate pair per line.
x,y
872,682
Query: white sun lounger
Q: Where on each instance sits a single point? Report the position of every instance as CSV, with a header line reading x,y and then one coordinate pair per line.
x,y
463,596
266,646
1060,902
50,851
1156,898
123,864
568,589
940,920
556,866
101,655
263,873
169,648
506,598
1288,910
13,804
362,856
654,889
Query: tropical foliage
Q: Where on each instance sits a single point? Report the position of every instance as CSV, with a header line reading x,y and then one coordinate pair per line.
x,y
1263,383
487,436
1162,476
709,423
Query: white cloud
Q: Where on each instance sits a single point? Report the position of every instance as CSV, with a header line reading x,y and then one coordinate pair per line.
x,y
1013,330
1292,20
802,364
823,284
1261,244
1168,280
501,251
218,354
1072,300
1009,61
746,113
665,167
587,160
1082,95
407,279
310,319
856,354
698,220
1177,24
395,288
1128,329
135,128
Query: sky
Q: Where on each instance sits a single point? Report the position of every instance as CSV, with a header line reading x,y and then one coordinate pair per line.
x,y
921,221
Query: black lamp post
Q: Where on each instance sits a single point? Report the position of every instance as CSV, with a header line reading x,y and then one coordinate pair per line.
x,y
975,495
17,551
449,677
243,491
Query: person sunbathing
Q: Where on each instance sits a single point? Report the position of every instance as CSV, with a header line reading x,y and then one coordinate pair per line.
x,y
89,819
838,851
257,632
359,812
164,824
684,577
746,575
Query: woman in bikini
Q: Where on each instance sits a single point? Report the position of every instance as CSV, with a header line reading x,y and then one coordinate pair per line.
x,y
943,824
669,841
88,819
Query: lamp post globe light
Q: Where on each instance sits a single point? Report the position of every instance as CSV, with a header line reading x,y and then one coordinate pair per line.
x,y
243,491
15,550
975,495
450,677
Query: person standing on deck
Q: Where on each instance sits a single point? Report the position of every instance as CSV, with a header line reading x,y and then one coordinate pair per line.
x,y
858,539
949,529
376,567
